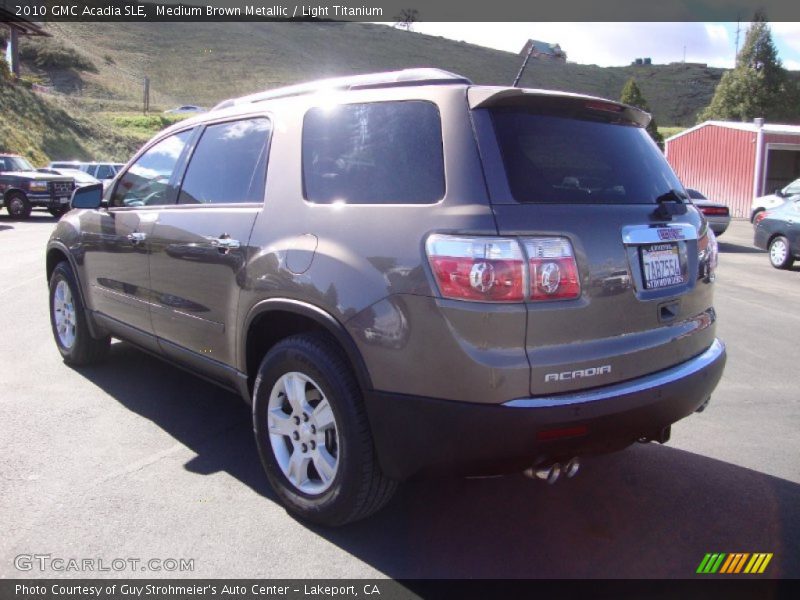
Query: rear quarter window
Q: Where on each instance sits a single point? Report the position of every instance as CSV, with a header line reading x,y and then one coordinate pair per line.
x,y
374,153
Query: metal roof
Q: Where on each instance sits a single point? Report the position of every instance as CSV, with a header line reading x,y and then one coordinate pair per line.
x,y
778,128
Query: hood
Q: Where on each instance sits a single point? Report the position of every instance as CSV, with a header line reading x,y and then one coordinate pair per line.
x,y
36,175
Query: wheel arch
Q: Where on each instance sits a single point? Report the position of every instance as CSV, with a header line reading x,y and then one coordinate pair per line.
x,y
274,319
58,253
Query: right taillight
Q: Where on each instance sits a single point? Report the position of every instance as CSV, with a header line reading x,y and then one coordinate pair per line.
x,y
708,249
553,270
494,269
760,217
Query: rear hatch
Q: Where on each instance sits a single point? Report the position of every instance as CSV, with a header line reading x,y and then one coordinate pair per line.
x,y
572,175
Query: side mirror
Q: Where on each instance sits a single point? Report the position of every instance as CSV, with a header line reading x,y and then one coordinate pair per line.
x,y
90,196
779,192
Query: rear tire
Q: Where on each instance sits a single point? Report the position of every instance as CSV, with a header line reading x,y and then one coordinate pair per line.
x,y
68,320
780,253
308,411
18,206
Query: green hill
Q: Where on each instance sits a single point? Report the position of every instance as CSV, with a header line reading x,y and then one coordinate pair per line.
x,y
203,63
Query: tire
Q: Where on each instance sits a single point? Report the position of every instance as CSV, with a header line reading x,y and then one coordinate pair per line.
x,y
68,321
349,484
58,212
780,253
18,206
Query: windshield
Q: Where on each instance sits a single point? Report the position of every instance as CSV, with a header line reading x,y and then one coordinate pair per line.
x,y
17,163
556,159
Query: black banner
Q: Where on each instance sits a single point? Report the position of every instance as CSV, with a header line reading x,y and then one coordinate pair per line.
x,y
397,10
388,589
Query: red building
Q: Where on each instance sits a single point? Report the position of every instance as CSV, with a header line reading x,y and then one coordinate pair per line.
x,y
733,162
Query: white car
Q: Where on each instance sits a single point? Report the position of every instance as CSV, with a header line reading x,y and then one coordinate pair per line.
x,y
186,108
769,201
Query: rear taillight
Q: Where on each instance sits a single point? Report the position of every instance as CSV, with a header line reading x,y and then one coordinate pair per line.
x,y
493,269
553,271
760,217
714,211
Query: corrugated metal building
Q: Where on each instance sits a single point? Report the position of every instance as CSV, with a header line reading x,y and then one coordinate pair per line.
x,y
733,162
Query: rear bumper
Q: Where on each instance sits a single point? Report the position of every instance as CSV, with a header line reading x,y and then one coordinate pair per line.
x,y
414,435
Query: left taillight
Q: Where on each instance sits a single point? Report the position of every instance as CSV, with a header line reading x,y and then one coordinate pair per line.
x,y
495,269
715,211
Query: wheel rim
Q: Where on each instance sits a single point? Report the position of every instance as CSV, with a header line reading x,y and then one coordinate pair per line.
x,y
303,433
15,206
64,314
777,252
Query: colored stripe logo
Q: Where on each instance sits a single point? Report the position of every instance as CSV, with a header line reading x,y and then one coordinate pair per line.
x,y
734,563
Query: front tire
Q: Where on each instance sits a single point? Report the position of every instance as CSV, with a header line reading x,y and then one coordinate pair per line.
x,y
18,205
312,433
780,254
68,320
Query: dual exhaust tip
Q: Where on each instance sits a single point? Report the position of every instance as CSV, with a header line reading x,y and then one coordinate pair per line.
x,y
553,472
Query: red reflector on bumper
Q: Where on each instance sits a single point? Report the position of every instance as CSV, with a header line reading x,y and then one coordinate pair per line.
x,y
557,434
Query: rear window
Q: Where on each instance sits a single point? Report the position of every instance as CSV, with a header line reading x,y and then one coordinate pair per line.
x,y
374,153
555,159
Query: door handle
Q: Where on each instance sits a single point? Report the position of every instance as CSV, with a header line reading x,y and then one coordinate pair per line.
x,y
225,243
137,237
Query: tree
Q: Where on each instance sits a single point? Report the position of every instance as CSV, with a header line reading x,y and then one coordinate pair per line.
x,y
758,86
407,18
632,95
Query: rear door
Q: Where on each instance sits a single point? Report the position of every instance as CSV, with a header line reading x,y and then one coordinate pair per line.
x,y
199,246
581,177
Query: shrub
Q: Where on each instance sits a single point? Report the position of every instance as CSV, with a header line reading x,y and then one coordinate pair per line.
x,y
55,55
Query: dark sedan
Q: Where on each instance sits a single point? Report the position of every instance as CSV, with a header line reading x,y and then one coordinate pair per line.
x,y
718,215
778,232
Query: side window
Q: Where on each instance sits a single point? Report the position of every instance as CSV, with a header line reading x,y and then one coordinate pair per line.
x,y
376,153
104,172
146,183
229,164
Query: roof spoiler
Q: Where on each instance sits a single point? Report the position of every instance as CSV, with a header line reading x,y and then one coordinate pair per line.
x,y
485,97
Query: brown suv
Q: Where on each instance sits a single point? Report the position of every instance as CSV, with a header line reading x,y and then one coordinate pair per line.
x,y
405,273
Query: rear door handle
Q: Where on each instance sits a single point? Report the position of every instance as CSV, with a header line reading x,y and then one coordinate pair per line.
x,y
137,237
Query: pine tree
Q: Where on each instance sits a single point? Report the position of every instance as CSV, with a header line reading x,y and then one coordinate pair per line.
x,y
758,86
632,95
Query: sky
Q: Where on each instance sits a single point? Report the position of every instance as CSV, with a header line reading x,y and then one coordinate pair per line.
x,y
618,44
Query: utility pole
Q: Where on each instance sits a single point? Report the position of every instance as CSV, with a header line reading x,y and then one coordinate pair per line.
x,y
738,29
146,97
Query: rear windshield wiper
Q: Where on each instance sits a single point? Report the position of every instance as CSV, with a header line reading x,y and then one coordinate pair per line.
x,y
670,204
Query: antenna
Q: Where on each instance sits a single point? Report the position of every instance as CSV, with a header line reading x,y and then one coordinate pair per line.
x,y
524,63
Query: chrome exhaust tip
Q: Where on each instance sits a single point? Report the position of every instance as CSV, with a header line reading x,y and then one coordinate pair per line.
x,y
550,473
572,467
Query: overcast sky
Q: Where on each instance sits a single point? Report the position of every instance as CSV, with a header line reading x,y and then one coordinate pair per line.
x,y
616,44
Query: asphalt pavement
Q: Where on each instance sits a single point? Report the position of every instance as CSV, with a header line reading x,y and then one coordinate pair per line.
x,y
135,459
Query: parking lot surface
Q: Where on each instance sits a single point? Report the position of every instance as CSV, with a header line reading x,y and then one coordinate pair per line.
x,y
136,459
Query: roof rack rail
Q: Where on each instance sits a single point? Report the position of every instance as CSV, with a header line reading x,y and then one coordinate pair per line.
x,y
423,76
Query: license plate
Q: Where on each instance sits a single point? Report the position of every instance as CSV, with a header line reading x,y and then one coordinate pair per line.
x,y
661,264
63,200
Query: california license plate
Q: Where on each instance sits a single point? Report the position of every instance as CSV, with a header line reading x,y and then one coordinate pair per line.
x,y
662,266
63,200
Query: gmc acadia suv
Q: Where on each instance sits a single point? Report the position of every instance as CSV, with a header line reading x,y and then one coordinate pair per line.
x,y
404,273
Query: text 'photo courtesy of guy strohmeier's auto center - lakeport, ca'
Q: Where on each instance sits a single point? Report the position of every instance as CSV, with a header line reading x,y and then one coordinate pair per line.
x,y
448,300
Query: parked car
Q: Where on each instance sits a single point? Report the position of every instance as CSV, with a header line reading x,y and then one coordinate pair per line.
x,y
412,289
22,188
778,231
718,215
103,171
81,178
185,109
774,200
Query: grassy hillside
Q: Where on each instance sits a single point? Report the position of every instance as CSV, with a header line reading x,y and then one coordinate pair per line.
x,y
203,63
94,113
44,129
